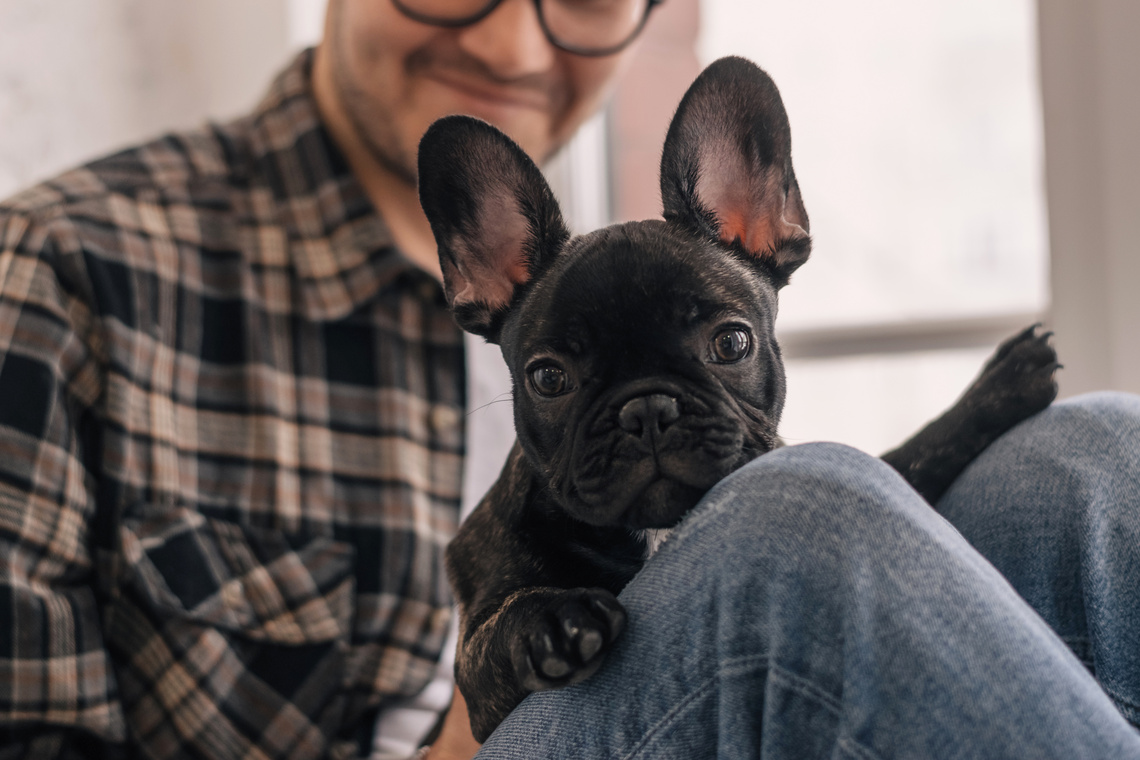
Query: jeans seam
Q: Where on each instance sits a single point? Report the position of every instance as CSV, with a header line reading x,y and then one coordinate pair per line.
x,y
734,665
728,667
789,680
669,717
806,688
855,749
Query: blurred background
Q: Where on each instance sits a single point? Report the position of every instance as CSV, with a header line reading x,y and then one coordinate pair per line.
x,y
969,166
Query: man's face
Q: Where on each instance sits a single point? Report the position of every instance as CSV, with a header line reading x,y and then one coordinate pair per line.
x,y
394,76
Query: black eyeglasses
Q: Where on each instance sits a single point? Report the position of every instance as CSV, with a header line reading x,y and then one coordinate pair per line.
x,y
583,27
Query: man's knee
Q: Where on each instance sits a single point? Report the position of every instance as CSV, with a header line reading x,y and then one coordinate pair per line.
x,y
1094,414
806,492
1099,430
1051,474
802,523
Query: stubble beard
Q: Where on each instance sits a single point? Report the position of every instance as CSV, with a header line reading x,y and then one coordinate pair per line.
x,y
377,128
374,126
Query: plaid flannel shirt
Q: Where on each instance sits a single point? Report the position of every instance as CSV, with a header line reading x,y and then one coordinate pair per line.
x,y
231,440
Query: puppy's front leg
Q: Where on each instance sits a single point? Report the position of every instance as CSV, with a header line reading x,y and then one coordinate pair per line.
x,y
536,593
539,638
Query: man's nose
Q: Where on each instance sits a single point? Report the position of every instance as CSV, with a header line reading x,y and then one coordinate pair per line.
x,y
510,41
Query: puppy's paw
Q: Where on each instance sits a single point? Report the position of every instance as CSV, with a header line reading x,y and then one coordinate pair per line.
x,y
567,641
1019,380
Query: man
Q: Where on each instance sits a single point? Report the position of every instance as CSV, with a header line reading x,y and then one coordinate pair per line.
x,y
231,422
231,397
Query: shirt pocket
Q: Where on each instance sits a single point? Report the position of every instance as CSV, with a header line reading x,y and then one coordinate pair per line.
x,y
229,637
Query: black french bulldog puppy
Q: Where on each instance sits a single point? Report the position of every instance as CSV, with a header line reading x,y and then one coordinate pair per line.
x,y
644,369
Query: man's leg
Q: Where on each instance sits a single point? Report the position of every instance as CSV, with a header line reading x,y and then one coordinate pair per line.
x,y
814,606
1055,505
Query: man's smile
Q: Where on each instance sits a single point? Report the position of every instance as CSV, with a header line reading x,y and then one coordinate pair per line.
x,y
482,91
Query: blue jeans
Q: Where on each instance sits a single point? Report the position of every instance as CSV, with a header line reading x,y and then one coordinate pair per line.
x,y
814,606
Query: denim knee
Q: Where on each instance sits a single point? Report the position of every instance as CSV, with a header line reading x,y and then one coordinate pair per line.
x,y
1111,405
810,494
1105,419
1055,460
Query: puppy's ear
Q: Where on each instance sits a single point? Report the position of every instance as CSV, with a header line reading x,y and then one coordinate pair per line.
x,y
496,222
726,169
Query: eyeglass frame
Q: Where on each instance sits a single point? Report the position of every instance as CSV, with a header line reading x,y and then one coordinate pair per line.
x,y
475,18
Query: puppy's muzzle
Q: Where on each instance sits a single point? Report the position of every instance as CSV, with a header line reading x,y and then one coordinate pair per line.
x,y
647,417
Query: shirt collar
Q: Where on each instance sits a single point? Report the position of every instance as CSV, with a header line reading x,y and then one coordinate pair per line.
x,y
339,246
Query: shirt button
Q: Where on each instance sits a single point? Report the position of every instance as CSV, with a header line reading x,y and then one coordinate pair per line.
x,y
444,419
232,593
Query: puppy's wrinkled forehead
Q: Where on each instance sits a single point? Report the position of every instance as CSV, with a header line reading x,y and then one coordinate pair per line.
x,y
627,280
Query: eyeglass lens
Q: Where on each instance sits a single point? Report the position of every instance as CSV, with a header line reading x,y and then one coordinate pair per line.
x,y
589,26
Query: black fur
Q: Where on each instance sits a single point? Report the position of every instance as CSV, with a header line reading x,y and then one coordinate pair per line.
x,y
645,370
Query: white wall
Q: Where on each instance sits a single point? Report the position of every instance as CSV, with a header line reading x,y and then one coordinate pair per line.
x,y
916,134
917,142
79,78
1090,66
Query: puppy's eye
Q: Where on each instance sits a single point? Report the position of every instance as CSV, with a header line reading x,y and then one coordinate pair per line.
x,y
549,380
731,345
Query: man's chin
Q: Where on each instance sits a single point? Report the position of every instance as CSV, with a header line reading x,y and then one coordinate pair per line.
x,y
527,125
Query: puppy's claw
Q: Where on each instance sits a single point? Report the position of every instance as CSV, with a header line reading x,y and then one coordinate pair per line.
x,y
1007,345
1019,380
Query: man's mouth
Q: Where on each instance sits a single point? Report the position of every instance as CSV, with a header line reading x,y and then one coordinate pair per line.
x,y
489,94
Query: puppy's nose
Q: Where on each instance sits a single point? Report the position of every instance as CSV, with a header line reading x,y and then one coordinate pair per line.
x,y
648,415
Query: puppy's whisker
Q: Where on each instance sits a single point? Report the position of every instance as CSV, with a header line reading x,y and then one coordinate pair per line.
x,y
497,400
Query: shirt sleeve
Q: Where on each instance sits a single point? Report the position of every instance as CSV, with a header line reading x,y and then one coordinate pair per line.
x,y
58,696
